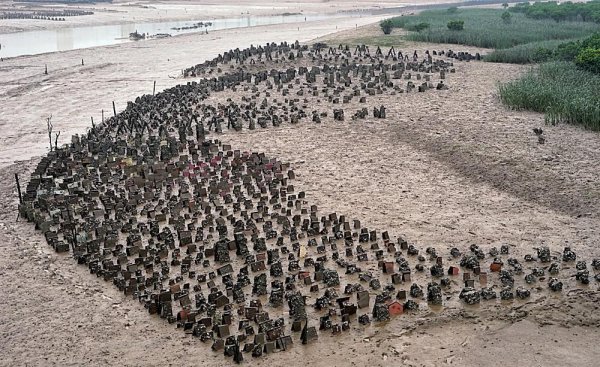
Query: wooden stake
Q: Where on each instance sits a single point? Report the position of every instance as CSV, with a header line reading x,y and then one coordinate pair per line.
x,y
18,188
73,235
49,126
56,140
114,109
154,88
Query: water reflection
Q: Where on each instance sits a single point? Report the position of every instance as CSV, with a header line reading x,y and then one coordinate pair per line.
x,y
64,39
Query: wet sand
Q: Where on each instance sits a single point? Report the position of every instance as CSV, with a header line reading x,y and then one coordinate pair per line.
x,y
73,93
152,11
445,169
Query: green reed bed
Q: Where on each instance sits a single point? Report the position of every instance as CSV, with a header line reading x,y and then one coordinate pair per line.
x,y
486,28
565,93
528,53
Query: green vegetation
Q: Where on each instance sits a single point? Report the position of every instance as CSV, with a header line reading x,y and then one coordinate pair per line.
x,y
486,28
564,92
566,86
417,27
534,52
516,38
567,51
568,11
456,25
387,26
592,41
570,51
589,59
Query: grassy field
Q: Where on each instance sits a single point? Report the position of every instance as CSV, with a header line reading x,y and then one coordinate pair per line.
x,y
528,53
562,91
486,28
565,93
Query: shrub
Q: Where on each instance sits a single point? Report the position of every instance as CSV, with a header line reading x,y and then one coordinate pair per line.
x,y
417,27
589,59
568,51
386,26
592,41
506,17
542,54
456,25
452,10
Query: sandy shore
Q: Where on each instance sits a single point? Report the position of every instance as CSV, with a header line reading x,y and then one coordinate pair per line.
x,y
152,11
73,93
444,169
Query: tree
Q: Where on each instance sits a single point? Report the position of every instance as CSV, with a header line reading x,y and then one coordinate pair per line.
x,y
456,25
505,5
506,17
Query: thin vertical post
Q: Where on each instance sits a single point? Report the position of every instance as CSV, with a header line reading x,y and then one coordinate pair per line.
x,y
18,188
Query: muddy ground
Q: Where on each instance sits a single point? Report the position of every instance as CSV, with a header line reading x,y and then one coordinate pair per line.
x,y
447,168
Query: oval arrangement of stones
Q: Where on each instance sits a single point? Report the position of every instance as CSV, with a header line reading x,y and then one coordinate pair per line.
x,y
212,238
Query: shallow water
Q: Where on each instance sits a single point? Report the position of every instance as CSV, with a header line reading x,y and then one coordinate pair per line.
x,y
64,39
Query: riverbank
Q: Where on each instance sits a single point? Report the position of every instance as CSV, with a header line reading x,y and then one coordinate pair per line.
x,y
446,168
73,93
151,11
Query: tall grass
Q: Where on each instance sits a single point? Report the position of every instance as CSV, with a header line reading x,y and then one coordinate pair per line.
x,y
527,53
567,11
485,28
565,93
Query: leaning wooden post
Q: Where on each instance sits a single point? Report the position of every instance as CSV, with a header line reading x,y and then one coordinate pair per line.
x,y
18,188
114,109
154,88
103,116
